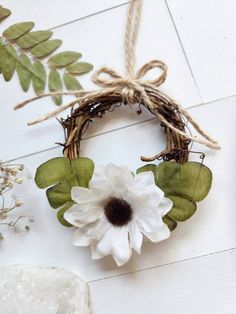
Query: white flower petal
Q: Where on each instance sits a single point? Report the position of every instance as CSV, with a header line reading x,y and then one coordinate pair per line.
x,y
94,253
149,220
144,179
120,178
161,234
115,242
135,237
91,232
165,206
71,215
82,195
80,237
144,191
99,173
79,215
102,188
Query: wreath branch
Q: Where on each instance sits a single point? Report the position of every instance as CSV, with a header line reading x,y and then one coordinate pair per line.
x,y
129,90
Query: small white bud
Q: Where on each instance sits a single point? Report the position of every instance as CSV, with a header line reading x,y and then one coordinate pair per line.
x,y
19,202
19,180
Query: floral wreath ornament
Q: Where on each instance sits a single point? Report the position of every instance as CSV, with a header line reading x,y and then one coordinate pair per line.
x,y
111,208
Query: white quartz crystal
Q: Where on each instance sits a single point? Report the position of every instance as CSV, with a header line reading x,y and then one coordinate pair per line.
x,y
36,290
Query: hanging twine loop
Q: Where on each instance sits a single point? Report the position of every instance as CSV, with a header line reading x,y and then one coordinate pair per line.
x,y
131,89
131,83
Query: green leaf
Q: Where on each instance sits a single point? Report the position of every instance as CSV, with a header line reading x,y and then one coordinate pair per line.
x,y
8,61
167,176
60,214
3,55
79,68
192,179
23,68
4,13
83,168
17,30
46,48
183,184
182,208
59,194
60,175
195,180
71,83
54,171
32,39
172,224
55,85
63,59
39,77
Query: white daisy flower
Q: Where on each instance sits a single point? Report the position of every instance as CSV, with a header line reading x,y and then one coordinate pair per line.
x,y
117,209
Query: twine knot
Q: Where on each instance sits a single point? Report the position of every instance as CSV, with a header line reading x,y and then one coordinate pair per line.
x,y
129,86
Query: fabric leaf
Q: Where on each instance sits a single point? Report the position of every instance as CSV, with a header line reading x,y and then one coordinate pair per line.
x,y
59,194
23,68
55,85
39,77
182,209
17,30
71,83
195,180
60,214
46,48
53,171
192,179
8,61
31,39
4,13
79,68
171,223
59,175
63,59
83,168
183,184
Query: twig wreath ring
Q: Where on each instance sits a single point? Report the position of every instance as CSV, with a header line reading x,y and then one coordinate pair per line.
x,y
111,208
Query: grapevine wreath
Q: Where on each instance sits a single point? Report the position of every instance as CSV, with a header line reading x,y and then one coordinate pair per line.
x,y
112,208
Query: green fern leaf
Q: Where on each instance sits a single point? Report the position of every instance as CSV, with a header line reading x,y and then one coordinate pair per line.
x,y
8,62
4,13
39,77
71,83
79,68
63,59
17,30
23,69
46,48
55,85
3,55
32,39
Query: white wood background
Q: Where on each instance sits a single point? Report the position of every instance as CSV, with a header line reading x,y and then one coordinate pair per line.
x,y
194,271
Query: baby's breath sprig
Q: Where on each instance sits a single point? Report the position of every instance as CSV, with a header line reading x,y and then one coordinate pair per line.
x,y
10,176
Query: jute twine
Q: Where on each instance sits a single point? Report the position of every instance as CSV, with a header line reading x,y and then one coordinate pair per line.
x,y
131,89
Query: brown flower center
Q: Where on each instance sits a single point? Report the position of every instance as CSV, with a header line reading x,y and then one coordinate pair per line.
x,y
118,211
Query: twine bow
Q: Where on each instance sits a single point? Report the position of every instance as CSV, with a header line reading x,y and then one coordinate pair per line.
x,y
132,87
128,86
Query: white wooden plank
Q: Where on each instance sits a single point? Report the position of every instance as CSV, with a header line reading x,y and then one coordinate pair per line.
x,y
48,14
204,285
206,29
100,38
211,229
